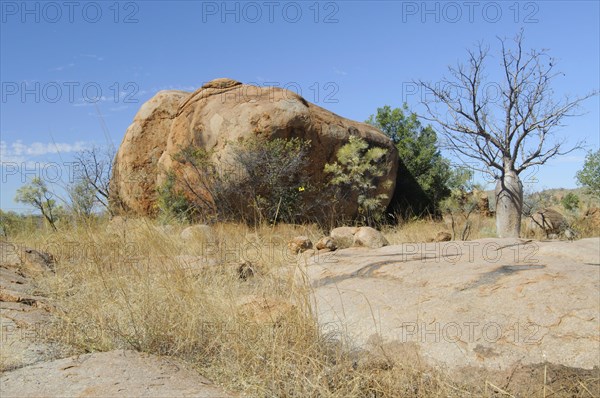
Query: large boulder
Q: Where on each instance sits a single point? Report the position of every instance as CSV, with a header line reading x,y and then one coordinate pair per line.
x,y
549,221
224,112
133,183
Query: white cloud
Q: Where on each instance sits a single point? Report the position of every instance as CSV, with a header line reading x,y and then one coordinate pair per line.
x,y
72,64
82,102
63,67
18,152
93,56
155,90
118,108
339,72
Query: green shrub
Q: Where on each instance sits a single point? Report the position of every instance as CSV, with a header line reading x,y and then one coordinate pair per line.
x,y
356,168
264,183
273,177
570,201
171,202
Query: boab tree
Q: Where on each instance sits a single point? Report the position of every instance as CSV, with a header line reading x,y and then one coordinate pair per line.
x,y
509,131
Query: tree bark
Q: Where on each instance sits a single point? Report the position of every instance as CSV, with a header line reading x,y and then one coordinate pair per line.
x,y
509,204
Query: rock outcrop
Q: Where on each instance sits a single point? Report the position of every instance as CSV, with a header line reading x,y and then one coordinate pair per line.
x,y
118,373
23,311
548,220
133,183
486,304
223,112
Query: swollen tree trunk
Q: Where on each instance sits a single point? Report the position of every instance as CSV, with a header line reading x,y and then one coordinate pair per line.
x,y
509,203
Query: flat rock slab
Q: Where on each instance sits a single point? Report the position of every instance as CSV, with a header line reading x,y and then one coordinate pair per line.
x,y
24,314
489,303
109,374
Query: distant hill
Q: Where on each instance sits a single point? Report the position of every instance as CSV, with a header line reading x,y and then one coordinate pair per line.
x,y
553,196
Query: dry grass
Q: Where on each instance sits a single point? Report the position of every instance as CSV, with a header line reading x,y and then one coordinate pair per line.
x,y
426,230
136,285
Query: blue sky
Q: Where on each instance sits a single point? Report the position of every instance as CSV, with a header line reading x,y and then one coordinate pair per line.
x,y
63,65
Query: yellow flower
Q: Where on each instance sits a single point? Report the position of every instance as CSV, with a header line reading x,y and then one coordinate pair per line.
x,y
301,189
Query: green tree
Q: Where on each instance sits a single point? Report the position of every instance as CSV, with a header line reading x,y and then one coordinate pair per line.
x,y
37,195
418,149
589,175
357,167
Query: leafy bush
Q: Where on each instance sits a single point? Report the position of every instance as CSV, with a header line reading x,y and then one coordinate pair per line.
x,y
357,167
13,223
264,182
82,198
171,202
273,176
570,201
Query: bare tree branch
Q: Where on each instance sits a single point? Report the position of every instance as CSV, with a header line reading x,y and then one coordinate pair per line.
x,y
512,133
94,167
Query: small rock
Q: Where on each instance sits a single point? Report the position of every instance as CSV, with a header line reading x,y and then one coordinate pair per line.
x,y
246,270
592,216
299,244
265,309
343,237
570,234
443,236
193,232
369,237
326,242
